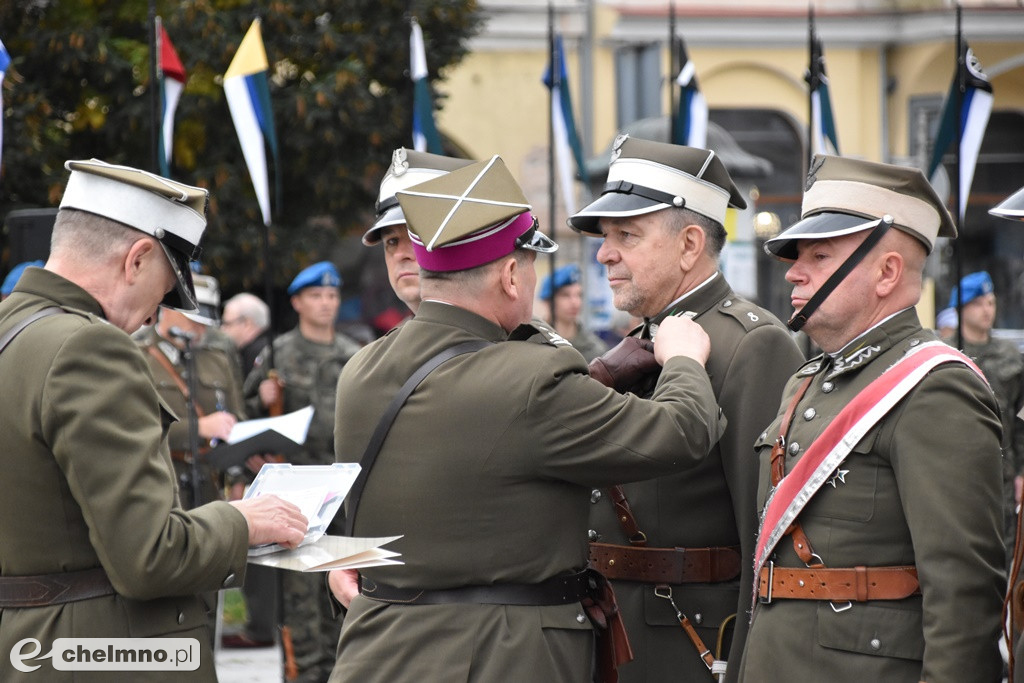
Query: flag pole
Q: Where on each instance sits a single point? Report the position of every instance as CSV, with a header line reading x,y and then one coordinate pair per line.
x,y
556,75
673,66
961,80
154,90
810,84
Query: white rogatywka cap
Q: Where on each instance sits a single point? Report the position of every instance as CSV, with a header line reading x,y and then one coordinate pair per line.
x,y
172,212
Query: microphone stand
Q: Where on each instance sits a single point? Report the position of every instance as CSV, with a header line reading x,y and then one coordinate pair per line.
x,y
193,424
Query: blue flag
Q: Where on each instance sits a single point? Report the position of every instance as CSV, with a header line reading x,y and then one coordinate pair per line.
x,y
824,139
425,137
972,119
569,149
692,117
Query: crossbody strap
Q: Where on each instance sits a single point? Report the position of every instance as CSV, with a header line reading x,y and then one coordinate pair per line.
x,y
384,425
16,330
179,381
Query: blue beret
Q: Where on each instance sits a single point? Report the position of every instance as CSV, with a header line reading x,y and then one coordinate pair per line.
x,y
973,285
566,275
322,274
12,277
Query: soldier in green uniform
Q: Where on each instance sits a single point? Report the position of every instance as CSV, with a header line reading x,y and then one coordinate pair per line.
x,y
487,468
661,217
880,554
408,168
94,543
561,296
308,360
1012,208
218,401
1003,365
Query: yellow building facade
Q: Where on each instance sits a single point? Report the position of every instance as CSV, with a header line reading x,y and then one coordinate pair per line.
x,y
890,65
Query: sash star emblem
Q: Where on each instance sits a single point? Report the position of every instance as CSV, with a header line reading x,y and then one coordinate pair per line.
x,y
839,476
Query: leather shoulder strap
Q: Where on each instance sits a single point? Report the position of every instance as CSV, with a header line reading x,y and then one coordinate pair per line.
x,y
384,425
16,330
165,363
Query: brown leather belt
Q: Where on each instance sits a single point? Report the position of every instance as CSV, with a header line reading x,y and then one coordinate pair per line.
x,y
181,456
53,589
558,590
665,565
858,584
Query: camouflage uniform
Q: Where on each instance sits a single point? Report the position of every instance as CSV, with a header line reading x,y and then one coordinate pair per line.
x,y
309,372
1003,366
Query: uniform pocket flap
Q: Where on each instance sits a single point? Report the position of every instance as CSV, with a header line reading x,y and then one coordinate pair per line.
x,y
872,629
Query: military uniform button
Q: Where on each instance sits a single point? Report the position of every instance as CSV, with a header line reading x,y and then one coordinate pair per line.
x,y
810,413
592,535
827,387
764,435
794,448
727,303
876,644
698,618
580,618
915,342
595,495
229,580
181,617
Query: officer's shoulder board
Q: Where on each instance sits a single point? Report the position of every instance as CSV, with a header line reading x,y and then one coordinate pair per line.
x,y
539,332
745,313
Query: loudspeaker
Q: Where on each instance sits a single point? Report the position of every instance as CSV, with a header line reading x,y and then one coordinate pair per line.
x,y
28,232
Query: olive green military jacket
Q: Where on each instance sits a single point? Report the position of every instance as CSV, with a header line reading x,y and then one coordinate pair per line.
x,y
87,482
712,505
588,344
922,488
310,372
487,472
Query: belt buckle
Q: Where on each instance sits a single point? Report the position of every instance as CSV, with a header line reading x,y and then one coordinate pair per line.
x,y
767,599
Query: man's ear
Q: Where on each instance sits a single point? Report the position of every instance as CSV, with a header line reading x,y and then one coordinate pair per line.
x,y
140,253
510,277
890,273
691,241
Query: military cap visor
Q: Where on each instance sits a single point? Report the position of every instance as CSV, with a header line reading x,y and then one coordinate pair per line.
x,y
647,176
1012,207
390,216
172,212
820,226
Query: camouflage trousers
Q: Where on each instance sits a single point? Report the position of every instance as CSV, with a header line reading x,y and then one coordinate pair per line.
x,y
314,630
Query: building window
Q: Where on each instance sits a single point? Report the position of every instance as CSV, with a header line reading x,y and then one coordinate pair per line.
x,y
637,74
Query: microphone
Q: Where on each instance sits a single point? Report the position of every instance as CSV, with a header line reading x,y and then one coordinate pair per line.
x,y
179,333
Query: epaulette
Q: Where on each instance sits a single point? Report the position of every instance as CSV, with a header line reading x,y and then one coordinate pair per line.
x,y
538,332
744,312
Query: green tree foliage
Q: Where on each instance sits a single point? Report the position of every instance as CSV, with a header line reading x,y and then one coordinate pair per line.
x,y
79,87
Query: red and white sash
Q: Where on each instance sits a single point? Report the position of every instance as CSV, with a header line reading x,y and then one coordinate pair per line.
x,y
830,449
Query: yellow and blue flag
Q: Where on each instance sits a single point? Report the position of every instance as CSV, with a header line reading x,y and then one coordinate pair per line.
x,y
248,95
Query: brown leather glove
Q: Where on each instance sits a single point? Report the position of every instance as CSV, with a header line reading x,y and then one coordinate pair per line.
x,y
625,366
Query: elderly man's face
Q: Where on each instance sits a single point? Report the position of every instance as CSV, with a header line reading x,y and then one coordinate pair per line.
x,y
642,258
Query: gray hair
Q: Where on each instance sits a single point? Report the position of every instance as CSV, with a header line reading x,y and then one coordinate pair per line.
x,y
87,237
250,307
714,232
